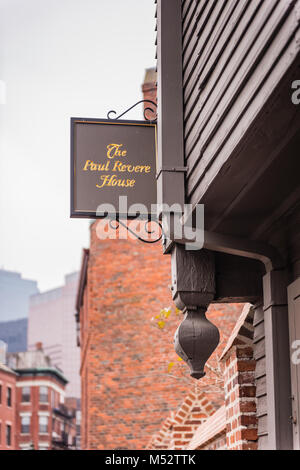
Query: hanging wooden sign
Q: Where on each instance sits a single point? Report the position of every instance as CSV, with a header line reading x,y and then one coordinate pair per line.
x,y
109,159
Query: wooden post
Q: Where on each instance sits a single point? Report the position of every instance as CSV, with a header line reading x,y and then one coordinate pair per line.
x,y
170,173
277,360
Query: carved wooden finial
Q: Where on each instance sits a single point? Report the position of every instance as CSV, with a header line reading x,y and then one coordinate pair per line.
x,y
193,288
195,340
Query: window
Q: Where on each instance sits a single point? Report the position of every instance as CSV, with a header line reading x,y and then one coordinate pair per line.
x,y
43,394
53,398
25,394
25,424
8,396
8,435
43,424
26,447
0,393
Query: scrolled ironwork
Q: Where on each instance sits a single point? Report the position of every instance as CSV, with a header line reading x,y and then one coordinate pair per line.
x,y
119,222
112,115
146,110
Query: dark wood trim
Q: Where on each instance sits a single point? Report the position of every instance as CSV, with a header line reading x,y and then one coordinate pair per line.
x,y
82,281
294,323
277,361
238,279
170,185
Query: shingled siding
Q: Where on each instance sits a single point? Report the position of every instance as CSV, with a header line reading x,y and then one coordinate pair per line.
x,y
235,52
260,375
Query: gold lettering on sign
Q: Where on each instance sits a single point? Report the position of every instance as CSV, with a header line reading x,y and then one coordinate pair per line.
x,y
118,166
90,165
112,180
113,150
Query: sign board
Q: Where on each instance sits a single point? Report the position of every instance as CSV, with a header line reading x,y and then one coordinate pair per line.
x,y
109,159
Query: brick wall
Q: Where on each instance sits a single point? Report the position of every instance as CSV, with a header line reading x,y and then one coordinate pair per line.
x,y
126,388
240,399
240,389
218,443
127,392
7,411
149,90
178,429
234,425
212,434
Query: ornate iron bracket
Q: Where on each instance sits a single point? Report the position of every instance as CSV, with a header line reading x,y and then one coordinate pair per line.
x,y
138,237
118,221
109,114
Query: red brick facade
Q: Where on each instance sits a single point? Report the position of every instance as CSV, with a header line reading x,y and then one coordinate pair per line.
x,y
42,420
127,391
240,388
178,429
149,90
7,408
33,412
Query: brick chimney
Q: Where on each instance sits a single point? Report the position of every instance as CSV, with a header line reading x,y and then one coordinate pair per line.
x,y
39,346
149,89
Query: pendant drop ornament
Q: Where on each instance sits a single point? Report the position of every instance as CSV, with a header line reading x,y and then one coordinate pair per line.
x,y
195,340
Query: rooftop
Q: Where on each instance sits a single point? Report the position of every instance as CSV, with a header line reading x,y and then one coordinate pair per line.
x,y
4,368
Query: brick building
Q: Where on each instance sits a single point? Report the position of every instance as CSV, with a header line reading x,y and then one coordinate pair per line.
x,y
127,391
149,90
7,408
33,412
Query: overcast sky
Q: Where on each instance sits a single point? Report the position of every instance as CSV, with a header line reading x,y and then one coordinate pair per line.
x,y
59,58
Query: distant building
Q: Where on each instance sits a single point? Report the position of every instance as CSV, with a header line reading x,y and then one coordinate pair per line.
x,y
43,420
7,408
3,351
14,295
52,321
14,334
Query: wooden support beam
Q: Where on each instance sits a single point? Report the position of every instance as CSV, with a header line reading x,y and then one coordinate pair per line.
x,y
277,361
238,279
193,288
170,164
